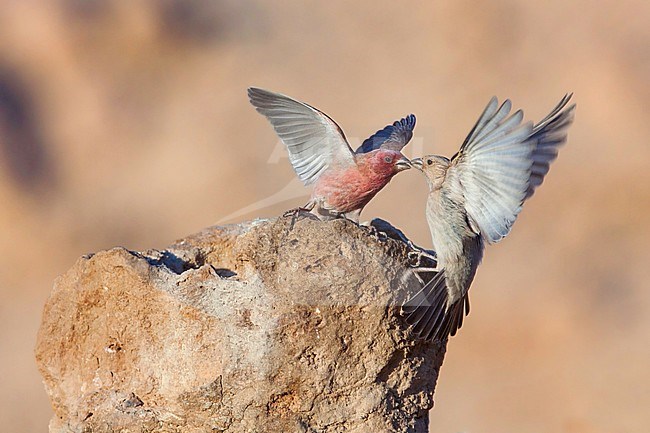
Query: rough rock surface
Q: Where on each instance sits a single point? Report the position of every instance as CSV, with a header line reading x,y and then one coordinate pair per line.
x,y
266,326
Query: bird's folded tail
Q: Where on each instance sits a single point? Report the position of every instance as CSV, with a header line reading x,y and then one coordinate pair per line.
x,y
429,314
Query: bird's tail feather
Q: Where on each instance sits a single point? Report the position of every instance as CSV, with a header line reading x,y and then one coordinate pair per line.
x,y
429,313
455,315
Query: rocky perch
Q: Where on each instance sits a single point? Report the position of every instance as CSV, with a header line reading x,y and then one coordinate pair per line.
x,y
265,326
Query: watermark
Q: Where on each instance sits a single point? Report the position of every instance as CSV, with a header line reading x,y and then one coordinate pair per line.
x,y
295,189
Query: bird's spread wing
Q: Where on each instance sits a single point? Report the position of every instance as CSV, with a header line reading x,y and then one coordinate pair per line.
x,y
393,137
503,161
549,134
313,139
493,167
427,311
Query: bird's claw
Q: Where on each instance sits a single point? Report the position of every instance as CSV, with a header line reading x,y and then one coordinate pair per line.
x,y
414,258
292,212
416,255
377,234
297,212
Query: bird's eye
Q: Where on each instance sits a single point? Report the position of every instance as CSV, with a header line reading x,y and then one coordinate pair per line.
x,y
429,161
388,159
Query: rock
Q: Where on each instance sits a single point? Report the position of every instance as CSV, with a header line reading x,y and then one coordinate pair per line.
x,y
267,326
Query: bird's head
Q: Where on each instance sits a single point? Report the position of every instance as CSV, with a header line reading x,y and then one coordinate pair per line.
x,y
434,168
389,162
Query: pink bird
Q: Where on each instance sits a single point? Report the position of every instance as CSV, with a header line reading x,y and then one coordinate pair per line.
x,y
344,181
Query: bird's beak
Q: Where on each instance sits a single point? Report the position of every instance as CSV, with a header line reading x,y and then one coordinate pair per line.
x,y
402,164
417,163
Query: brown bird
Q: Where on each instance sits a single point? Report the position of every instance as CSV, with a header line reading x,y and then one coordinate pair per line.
x,y
474,199
344,180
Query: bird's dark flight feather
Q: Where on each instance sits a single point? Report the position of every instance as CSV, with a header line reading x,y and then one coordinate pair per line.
x,y
393,137
428,313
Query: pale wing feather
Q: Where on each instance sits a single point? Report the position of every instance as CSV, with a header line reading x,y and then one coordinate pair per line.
x,y
487,114
550,134
314,141
502,162
493,168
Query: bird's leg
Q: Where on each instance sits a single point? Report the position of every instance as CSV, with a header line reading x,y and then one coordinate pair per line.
x,y
415,259
424,270
417,273
352,216
419,278
326,213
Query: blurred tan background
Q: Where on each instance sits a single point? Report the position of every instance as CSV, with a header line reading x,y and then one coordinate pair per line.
x,y
127,123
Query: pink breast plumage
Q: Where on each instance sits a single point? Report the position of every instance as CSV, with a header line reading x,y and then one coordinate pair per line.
x,y
349,190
